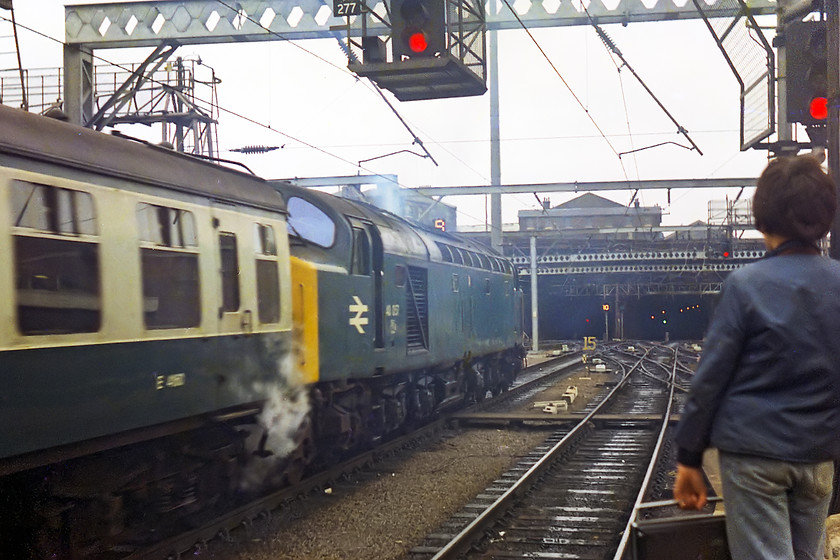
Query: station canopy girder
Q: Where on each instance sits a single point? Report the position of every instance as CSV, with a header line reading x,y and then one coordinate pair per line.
x,y
587,186
144,24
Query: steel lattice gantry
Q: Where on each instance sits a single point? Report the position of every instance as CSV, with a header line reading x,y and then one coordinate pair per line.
x,y
149,24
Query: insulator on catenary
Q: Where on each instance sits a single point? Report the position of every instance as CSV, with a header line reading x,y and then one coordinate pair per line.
x,y
607,40
255,149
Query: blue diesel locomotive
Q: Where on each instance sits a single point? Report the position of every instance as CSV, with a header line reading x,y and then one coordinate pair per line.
x,y
172,331
394,322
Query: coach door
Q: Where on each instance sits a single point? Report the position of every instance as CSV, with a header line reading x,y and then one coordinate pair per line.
x,y
233,313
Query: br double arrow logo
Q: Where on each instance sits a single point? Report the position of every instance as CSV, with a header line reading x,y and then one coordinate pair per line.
x,y
359,309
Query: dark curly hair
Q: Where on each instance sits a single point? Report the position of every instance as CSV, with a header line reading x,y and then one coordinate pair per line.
x,y
795,198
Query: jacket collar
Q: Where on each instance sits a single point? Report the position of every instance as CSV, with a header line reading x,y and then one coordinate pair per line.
x,y
794,246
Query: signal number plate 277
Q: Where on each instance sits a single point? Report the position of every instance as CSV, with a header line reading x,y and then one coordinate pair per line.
x,y
343,8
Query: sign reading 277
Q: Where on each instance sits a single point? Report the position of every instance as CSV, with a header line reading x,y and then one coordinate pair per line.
x,y
342,8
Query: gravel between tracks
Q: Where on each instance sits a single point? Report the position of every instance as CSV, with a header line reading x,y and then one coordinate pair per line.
x,y
382,515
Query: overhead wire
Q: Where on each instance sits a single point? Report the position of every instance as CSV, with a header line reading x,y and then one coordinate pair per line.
x,y
574,95
242,116
220,108
351,56
613,49
416,138
541,138
290,41
559,75
627,121
610,45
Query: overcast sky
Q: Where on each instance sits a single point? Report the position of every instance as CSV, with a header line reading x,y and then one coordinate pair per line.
x,y
303,93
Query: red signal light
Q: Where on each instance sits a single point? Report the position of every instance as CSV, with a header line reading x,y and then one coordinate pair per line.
x,y
726,254
418,28
417,42
819,108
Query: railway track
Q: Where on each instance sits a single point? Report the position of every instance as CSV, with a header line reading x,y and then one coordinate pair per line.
x,y
190,540
574,496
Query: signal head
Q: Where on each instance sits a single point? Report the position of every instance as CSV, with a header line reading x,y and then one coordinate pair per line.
x,y
418,28
807,81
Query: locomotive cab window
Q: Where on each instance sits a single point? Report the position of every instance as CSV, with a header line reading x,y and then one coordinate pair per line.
x,y
169,262
361,253
309,222
56,259
268,280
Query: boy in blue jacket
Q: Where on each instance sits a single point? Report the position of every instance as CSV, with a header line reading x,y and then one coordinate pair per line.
x,y
766,393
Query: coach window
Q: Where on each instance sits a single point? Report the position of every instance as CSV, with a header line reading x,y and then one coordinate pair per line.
x,y
230,271
169,262
56,259
268,282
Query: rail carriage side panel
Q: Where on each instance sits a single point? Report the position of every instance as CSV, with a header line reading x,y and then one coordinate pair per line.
x,y
63,395
449,331
463,317
71,380
494,311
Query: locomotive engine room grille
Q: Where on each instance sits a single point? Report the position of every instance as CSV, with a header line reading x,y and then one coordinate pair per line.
x,y
417,319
